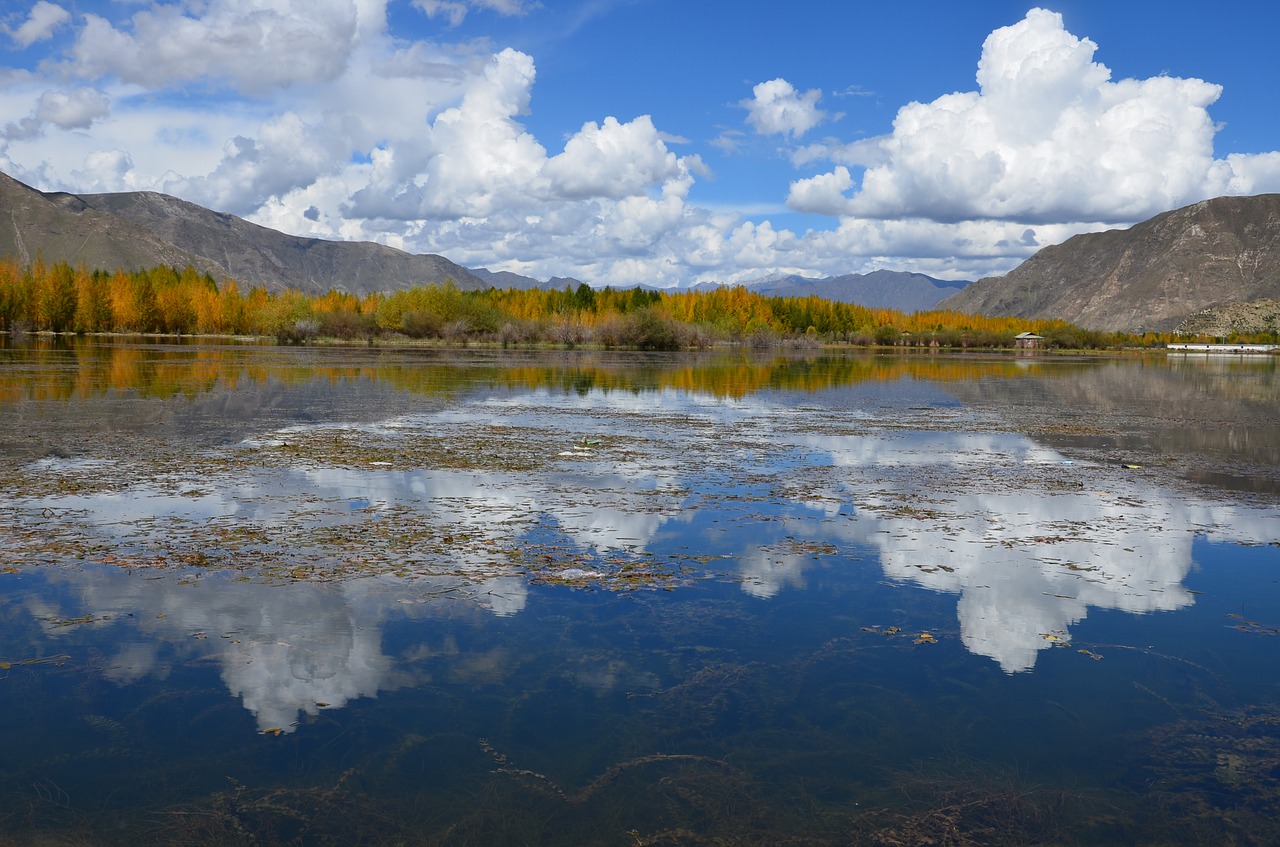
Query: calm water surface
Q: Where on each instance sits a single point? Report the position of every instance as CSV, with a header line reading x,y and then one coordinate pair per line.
x,y
283,596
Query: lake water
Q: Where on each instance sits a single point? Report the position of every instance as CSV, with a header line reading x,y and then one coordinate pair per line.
x,y
268,596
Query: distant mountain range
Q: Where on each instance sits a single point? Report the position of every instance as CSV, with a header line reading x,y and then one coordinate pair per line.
x,y
1153,276
905,292
507,279
1201,263
134,230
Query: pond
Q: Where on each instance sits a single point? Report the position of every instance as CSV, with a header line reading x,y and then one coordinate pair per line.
x,y
288,596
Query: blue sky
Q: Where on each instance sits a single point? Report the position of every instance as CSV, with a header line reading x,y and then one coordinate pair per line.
x,y
652,141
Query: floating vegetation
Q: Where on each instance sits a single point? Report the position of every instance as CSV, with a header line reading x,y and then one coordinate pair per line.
x,y
1244,625
57,661
82,619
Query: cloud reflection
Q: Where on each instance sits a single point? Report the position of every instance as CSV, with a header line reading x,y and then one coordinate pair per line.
x,y
284,650
1027,540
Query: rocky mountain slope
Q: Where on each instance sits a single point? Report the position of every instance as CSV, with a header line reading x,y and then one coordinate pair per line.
x,y
1152,276
64,227
1256,317
144,229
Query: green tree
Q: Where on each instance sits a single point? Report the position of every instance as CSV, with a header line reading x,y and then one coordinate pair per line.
x,y
584,298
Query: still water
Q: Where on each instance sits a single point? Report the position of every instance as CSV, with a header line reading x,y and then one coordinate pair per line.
x,y
287,596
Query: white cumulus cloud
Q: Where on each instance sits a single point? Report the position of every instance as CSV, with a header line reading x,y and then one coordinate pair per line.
x,y
45,17
474,160
777,108
1047,137
612,160
331,119
72,109
254,45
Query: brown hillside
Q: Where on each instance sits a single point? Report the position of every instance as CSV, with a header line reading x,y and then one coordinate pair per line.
x,y
1151,276
261,256
62,227
137,230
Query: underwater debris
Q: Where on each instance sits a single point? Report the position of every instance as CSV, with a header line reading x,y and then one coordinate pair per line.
x,y
546,785
1220,772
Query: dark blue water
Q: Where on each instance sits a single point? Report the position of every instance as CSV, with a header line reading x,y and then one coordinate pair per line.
x,y
906,607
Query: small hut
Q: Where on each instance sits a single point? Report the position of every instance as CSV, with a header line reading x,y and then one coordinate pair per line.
x,y
1028,341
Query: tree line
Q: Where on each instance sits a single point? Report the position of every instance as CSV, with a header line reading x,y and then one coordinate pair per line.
x,y
59,297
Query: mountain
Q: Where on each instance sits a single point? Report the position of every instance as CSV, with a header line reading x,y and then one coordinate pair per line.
x,y
1249,318
507,279
63,227
256,255
1152,276
905,292
560,283
143,229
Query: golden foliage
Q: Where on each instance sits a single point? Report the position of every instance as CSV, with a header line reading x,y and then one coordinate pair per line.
x,y
61,298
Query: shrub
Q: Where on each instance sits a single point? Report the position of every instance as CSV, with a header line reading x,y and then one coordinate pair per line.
x,y
298,332
517,332
456,330
569,332
887,334
700,336
762,338
341,324
419,323
646,329
611,332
